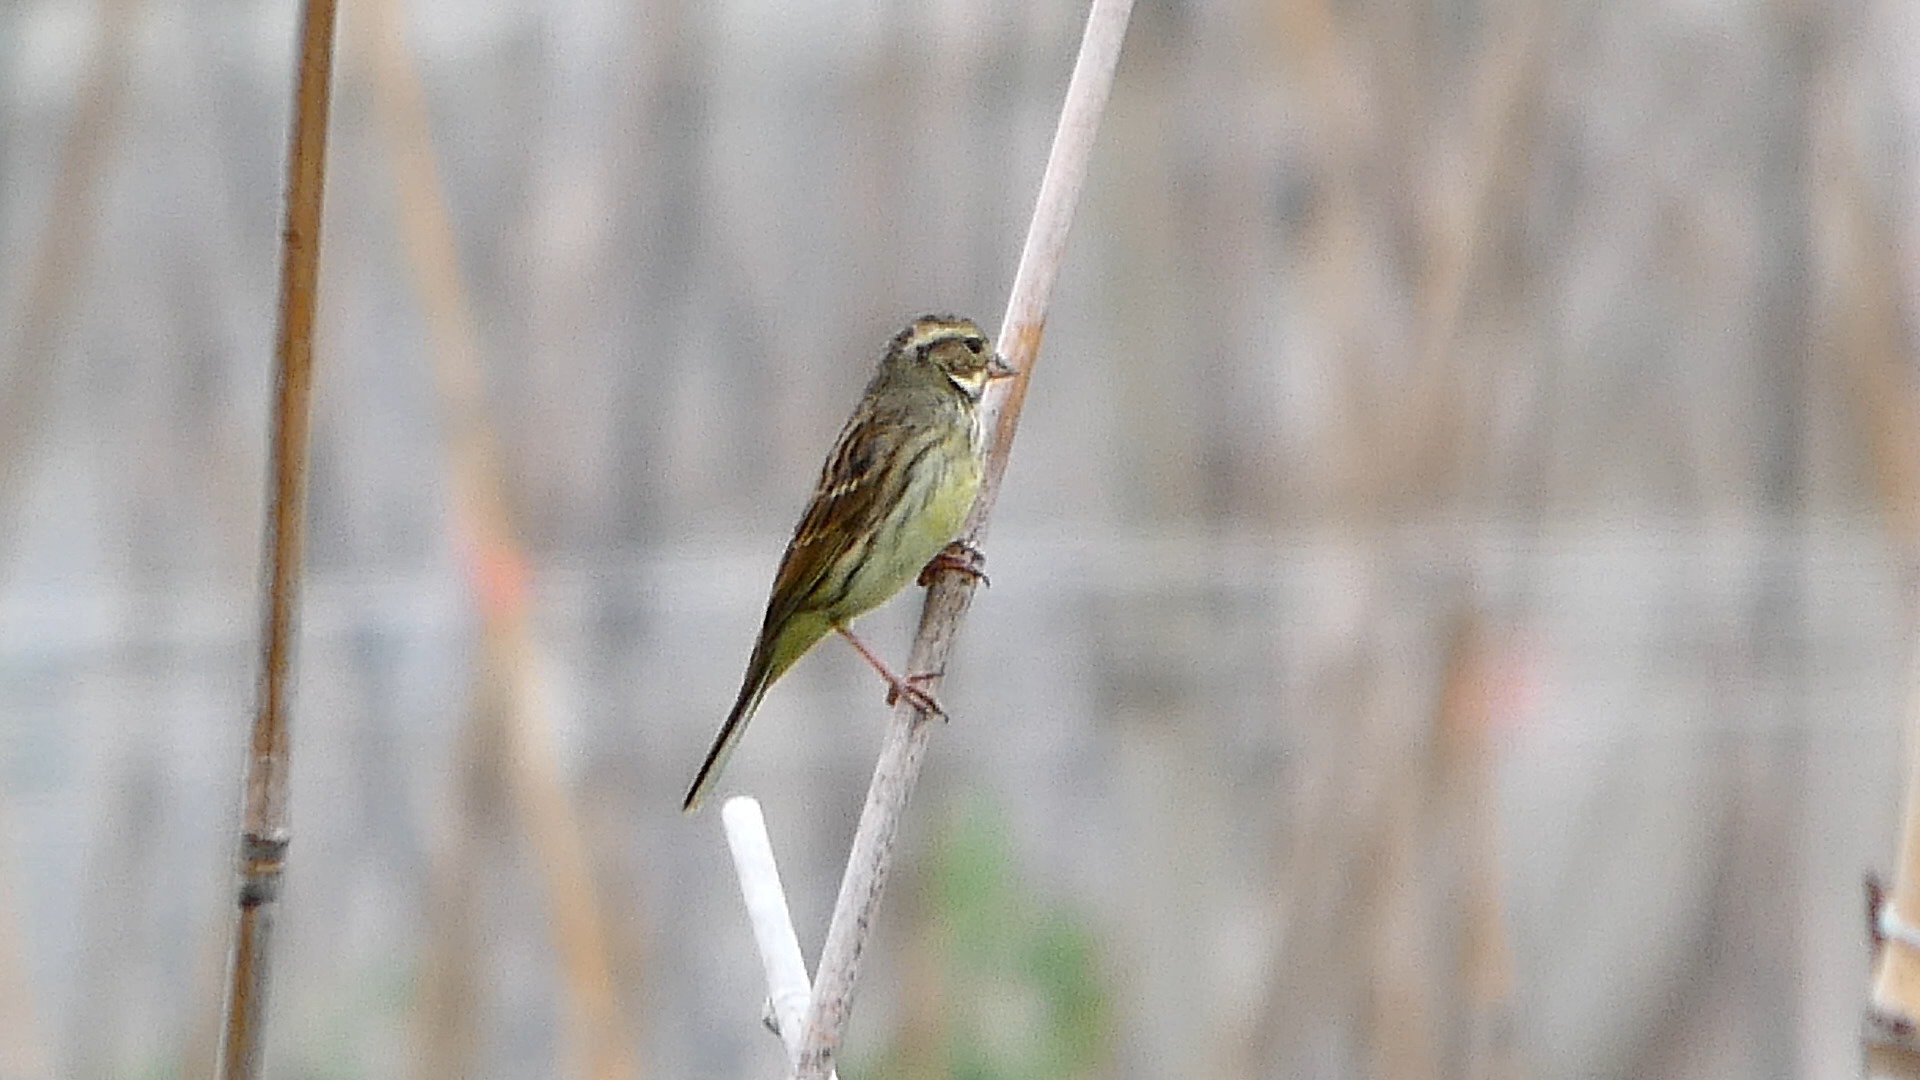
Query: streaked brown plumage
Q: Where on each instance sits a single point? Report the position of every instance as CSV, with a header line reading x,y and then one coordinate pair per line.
x,y
892,495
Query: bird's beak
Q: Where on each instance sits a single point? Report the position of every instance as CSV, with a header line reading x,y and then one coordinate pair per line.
x,y
998,368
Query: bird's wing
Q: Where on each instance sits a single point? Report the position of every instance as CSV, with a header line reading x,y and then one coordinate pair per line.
x,y
847,505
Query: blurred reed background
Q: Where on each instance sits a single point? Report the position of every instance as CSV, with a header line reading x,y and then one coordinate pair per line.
x,y
1451,601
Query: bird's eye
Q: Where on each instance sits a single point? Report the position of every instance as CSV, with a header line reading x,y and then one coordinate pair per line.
x,y
974,345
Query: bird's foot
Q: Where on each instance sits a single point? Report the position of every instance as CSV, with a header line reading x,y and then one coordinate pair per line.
x,y
960,557
910,687
913,688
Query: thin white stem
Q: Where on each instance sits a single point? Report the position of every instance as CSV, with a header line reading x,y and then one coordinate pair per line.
x,y
906,739
787,986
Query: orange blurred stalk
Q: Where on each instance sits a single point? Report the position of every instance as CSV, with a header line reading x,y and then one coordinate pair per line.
x,y
496,566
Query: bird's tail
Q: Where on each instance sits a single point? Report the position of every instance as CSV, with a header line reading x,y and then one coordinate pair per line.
x,y
751,691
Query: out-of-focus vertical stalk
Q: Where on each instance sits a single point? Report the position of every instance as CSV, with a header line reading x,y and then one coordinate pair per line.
x,y
54,267
263,816
1414,434
1439,415
1418,432
53,270
445,1012
1481,994
20,1041
1402,1032
598,1046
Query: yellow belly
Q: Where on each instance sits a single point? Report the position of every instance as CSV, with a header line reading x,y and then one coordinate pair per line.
x,y
899,551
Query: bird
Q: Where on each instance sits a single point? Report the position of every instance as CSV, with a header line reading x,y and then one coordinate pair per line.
x,y
889,505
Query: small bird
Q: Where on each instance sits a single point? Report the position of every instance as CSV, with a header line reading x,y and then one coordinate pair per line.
x,y
890,501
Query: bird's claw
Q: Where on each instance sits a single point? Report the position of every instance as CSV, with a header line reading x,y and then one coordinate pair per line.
x,y
916,695
960,557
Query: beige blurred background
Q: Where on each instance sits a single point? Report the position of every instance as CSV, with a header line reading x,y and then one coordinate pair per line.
x,y
1451,597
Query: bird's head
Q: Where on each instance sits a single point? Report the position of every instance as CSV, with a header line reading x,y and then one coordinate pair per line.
x,y
953,347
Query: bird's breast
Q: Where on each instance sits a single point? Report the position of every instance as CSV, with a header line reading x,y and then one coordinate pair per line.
x,y
933,506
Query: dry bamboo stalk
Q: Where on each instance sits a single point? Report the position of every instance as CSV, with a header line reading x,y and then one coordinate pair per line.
x,y
1894,1005
263,821
597,1039
1870,340
905,744
1890,1046
1867,336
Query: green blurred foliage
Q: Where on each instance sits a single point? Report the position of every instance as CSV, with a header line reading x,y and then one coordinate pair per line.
x,y
1002,984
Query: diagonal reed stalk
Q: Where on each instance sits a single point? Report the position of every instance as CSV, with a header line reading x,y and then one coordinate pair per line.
x,y
904,749
263,815
597,1043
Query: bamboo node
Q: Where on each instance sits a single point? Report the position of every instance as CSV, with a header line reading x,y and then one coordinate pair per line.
x,y
262,858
